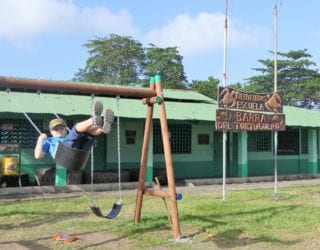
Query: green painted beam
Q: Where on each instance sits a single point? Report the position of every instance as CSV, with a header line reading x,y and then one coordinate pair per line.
x,y
61,176
243,154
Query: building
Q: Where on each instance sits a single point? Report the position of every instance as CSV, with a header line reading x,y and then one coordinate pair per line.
x,y
196,145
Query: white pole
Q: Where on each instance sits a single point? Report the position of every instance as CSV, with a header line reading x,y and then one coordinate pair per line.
x,y
224,138
275,90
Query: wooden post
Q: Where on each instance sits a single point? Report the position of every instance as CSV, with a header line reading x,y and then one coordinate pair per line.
x,y
168,161
144,157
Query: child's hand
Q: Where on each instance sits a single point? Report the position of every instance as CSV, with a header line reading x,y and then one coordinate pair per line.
x,y
42,137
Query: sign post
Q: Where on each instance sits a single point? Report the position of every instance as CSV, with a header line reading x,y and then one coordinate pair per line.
x,y
242,111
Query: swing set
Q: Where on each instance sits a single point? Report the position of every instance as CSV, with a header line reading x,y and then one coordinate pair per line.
x,y
150,96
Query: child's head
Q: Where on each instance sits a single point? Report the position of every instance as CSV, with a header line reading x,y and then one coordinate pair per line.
x,y
57,127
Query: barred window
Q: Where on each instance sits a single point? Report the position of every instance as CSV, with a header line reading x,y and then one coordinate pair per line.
x,y
180,138
19,131
259,141
304,141
288,142
130,136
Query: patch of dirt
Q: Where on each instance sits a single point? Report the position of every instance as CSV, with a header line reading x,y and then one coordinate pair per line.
x,y
101,240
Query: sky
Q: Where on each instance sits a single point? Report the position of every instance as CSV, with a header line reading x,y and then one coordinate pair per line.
x,y
44,39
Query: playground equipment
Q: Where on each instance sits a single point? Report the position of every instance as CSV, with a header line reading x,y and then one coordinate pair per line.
x,y
151,96
116,208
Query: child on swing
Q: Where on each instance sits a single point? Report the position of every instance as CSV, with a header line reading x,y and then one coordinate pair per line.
x,y
81,136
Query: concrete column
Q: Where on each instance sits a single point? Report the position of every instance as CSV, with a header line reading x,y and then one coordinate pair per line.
x,y
243,154
150,157
312,151
61,176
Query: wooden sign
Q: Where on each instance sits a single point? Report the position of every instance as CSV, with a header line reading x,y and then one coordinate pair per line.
x,y
234,99
237,120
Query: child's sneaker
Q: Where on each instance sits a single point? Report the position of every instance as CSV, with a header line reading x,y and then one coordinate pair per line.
x,y
107,121
96,111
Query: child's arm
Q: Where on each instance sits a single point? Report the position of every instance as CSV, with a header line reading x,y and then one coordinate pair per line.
x,y
38,151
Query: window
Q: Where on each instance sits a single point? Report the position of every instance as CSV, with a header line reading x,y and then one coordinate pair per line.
x,y
20,132
179,135
130,136
259,141
288,142
203,139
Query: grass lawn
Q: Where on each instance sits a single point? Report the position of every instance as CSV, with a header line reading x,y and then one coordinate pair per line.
x,y
247,220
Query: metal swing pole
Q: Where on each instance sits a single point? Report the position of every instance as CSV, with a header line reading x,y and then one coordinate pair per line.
x,y
224,136
275,90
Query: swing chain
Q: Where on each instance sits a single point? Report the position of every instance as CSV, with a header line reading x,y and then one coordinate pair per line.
x,y
49,107
119,148
92,161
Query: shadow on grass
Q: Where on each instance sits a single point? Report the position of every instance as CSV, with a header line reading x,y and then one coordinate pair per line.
x,y
95,241
258,215
235,238
252,218
43,218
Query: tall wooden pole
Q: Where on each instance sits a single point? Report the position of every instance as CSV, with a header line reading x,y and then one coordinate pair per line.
x,y
168,161
144,157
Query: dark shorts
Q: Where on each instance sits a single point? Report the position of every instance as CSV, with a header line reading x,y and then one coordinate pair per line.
x,y
77,140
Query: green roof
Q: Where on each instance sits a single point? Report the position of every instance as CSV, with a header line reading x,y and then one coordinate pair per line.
x,y
180,105
80,105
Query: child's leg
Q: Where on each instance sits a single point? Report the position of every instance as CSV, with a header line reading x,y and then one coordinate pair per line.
x,y
85,125
78,140
73,139
94,122
77,136
95,131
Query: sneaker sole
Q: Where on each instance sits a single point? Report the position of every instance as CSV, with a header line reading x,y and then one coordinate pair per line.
x,y
108,119
96,113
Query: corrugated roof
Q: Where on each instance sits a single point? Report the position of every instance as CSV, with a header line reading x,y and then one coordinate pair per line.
x,y
133,108
80,105
187,95
301,117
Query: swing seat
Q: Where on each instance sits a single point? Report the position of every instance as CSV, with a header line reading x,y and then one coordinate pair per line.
x,y
116,208
71,158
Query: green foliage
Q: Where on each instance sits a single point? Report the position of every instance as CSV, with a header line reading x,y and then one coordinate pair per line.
x,y
208,88
168,63
122,60
115,59
294,71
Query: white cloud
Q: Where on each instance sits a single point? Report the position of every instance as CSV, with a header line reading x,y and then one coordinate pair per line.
x,y
205,33
21,20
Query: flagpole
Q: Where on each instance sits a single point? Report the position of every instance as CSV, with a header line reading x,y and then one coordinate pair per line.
x,y
275,90
224,138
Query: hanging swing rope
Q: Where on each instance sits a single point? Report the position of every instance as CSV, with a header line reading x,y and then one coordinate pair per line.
x,y
11,98
119,149
49,107
118,204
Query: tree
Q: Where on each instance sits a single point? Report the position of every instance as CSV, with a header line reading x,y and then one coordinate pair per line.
x,y
168,63
294,71
113,59
208,87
